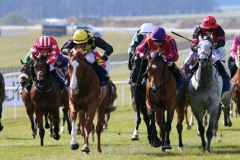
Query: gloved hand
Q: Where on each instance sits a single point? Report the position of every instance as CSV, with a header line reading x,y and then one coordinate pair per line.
x,y
105,57
194,48
65,51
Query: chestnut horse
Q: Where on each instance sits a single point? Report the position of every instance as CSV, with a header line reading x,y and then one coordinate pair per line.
x,y
86,97
2,97
45,95
236,83
161,96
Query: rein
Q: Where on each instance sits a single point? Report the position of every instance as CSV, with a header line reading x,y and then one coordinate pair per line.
x,y
36,83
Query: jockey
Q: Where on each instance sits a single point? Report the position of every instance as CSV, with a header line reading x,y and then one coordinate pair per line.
x,y
159,41
42,46
62,64
84,43
209,28
235,50
137,39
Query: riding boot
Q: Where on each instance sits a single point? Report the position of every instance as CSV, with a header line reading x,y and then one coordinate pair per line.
x,y
232,66
59,78
101,72
176,73
224,74
28,85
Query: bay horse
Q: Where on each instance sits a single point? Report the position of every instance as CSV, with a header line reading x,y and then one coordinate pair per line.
x,y
2,97
87,97
205,93
236,86
45,95
161,96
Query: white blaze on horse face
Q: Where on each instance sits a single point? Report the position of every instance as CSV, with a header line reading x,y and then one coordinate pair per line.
x,y
154,66
73,83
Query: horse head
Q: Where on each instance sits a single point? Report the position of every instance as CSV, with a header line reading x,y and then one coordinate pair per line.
x,y
204,52
41,69
78,70
25,72
155,69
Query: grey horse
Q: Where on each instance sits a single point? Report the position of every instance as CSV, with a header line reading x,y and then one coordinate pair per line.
x,y
205,92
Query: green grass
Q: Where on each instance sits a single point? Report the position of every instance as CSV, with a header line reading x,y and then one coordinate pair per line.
x,y
17,142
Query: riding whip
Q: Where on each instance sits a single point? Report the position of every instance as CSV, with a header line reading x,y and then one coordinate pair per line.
x,y
181,36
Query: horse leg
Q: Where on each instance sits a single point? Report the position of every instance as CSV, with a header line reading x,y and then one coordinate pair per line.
x,y
192,119
74,143
217,120
209,133
155,141
188,126
227,121
147,121
46,121
87,130
1,126
63,124
105,126
137,114
99,127
180,118
39,116
160,119
201,129
66,117
30,112
56,124
205,123
137,123
168,128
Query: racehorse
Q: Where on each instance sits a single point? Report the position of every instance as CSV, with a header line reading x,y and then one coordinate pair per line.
x,y
138,96
24,78
205,92
45,95
161,96
2,97
86,97
236,83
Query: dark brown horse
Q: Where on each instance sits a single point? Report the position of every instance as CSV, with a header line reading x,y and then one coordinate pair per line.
x,y
161,96
45,95
24,78
2,97
86,97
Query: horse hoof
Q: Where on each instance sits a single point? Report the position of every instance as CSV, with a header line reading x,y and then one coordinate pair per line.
x,y
74,146
188,127
1,128
62,130
180,148
85,149
135,138
166,146
156,143
47,126
56,137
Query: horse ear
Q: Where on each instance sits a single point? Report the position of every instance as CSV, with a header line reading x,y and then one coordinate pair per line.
x,y
21,61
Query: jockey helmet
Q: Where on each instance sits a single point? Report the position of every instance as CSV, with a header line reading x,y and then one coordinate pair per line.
x,y
158,34
146,28
209,22
83,36
43,44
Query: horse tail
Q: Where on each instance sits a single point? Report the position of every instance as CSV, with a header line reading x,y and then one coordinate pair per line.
x,y
112,97
2,89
